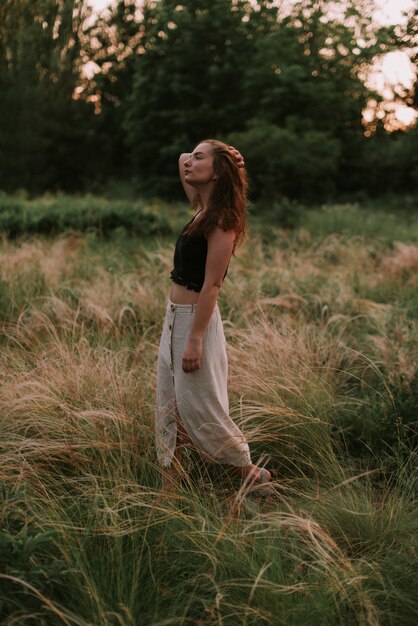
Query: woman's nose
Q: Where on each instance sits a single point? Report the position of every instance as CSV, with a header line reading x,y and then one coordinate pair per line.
x,y
187,161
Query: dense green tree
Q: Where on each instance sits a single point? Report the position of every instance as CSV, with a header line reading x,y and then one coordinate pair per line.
x,y
285,161
391,158
115,40
391,162
307,72
249,72
283,81
44,132
188,82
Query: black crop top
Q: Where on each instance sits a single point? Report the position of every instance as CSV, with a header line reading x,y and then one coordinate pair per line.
x,y
190,260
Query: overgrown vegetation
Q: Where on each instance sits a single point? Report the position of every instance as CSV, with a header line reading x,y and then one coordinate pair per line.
x,y
320,322
54,214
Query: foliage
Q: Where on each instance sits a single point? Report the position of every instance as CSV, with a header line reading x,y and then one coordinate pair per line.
x,y
191,70
288,162
286,89
306,72
45,134
30,567
55,214
322,381
392,159
86,98
113,43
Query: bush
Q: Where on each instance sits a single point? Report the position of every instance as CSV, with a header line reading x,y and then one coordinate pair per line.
x,y
54,214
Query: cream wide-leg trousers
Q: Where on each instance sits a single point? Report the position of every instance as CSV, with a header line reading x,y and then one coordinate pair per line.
x,y
198,399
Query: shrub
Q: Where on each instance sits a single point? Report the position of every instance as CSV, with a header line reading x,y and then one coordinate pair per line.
x,y
50,215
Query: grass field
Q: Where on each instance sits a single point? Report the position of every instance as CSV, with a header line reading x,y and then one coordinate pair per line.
x,y
321,329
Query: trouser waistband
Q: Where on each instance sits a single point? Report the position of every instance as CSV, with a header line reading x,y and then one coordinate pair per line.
x,y
180,308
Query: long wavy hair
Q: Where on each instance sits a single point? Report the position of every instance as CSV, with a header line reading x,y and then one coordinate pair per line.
x,y
227,206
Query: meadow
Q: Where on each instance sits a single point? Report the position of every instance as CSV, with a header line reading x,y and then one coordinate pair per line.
x,y
320,321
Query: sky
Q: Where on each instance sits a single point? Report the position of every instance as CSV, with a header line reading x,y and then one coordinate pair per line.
x,y
390,10
393,68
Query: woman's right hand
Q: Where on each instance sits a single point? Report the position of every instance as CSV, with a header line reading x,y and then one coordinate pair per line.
x,y
192,355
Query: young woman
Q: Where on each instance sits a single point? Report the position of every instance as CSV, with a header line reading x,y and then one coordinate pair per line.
x,y
192,398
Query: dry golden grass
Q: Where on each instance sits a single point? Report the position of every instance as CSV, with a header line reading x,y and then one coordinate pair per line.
x,y
309,348
403,261
53,260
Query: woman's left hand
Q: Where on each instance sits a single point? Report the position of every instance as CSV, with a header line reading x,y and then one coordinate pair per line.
x,y
238,156
192,355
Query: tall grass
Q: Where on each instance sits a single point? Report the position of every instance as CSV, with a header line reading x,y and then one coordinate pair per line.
x,y
323,375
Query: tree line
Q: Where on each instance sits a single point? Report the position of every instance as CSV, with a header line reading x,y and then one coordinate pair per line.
x,y
285,83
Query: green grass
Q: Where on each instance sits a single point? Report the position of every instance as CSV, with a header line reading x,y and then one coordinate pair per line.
x,y
321,337
354,220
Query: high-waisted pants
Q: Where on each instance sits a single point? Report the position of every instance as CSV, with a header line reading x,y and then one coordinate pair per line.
x,y
198,399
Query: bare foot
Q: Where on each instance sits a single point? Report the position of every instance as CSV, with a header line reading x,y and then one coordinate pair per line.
x,y
255,475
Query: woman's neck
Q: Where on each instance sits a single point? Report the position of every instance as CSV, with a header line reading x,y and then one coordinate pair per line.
x,y
203,197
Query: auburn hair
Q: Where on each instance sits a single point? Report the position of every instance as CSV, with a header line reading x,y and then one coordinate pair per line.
x,y
227,205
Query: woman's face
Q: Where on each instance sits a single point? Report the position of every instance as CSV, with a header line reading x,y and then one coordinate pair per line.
x,y
198,167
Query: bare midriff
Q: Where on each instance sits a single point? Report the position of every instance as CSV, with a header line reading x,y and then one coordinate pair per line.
x,y
181,295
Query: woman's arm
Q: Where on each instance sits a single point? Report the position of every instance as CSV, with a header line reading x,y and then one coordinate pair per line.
x,y
220,245
190,191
